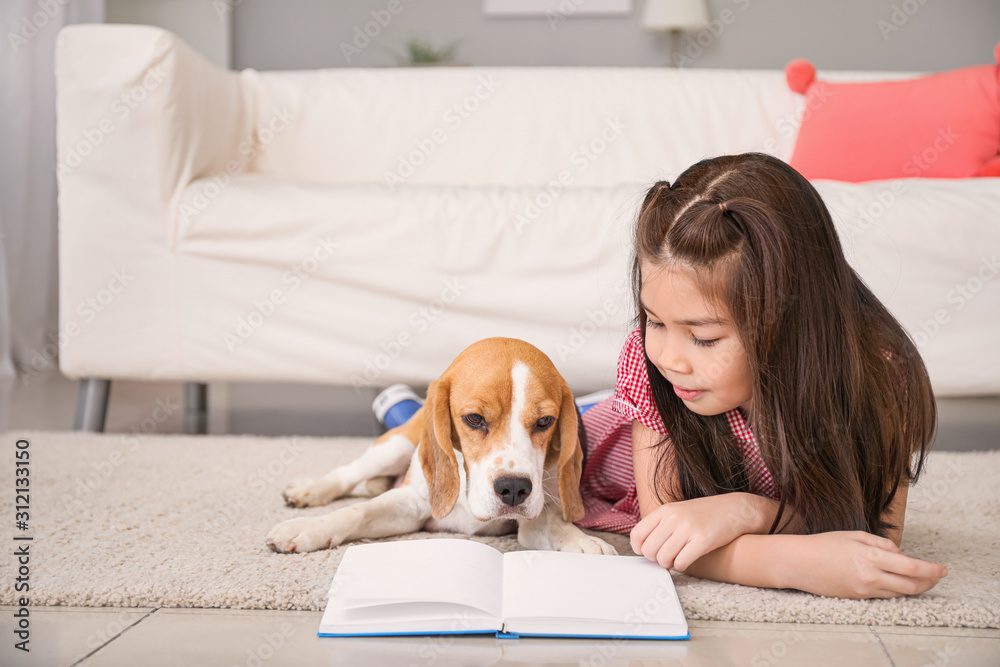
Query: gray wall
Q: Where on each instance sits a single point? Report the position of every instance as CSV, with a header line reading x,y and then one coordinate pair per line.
x,y
197,22
758,34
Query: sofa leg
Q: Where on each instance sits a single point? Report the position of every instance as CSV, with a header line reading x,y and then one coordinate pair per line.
x,y
92,405
195,408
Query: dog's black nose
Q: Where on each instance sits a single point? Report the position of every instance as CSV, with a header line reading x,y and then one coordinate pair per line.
x,y
512,490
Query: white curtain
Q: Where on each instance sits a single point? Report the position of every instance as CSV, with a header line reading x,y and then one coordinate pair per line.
x,y
29,288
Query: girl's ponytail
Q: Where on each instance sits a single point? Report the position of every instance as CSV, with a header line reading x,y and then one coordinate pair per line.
x,y
762,248
652,194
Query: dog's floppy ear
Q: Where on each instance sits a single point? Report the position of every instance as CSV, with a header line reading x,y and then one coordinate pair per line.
x,y
570,463
437,453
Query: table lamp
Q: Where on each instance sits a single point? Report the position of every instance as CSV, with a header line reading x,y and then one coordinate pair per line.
x,y
675,17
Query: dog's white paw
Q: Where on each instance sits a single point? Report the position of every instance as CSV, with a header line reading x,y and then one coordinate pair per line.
x,y
587,544
299,536
311,492
602,547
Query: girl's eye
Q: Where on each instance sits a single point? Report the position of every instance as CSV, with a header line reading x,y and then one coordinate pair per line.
x,y
697,341
544,422
474,420
704,343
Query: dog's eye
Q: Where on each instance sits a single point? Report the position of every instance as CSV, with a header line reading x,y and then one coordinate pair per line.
x,y
474,420
544,422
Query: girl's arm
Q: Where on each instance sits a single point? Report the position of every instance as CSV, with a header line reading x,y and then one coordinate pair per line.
x,y
757,512
675,532
851,564
644,458
847,564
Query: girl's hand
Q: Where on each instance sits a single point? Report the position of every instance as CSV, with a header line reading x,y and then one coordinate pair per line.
x,y
676,534
858,565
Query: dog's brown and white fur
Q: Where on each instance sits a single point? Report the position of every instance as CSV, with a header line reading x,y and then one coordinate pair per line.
x,y
495,448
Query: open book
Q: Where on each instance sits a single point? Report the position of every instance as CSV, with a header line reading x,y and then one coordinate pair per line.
x,y
455,586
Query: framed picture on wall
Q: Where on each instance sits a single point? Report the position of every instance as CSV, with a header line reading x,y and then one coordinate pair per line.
x,y
501,8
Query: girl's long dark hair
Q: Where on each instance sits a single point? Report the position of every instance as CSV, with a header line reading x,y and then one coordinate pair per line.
x,y
841,398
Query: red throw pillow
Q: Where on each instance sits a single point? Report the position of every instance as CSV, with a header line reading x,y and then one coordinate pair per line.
x,y
944,125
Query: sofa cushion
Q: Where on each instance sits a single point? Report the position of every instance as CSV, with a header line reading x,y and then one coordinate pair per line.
x,y
513,125
281,280
357,284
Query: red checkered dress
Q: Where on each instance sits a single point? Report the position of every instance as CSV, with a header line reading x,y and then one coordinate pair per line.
x,y
608,483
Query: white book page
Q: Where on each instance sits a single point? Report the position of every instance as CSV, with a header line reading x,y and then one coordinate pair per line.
x,y
406,617
621,594
460,572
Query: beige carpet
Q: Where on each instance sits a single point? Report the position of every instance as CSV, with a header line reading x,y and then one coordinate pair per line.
x,y
179,521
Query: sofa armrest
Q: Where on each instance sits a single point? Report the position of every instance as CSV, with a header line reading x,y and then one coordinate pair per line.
x,y
139,115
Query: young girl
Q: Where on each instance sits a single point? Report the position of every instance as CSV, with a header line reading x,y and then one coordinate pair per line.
x,y
767,406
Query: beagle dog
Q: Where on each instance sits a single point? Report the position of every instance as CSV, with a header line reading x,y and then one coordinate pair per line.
x,y
494,448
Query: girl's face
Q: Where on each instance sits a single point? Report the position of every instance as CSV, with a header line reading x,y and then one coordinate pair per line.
x,y
693,344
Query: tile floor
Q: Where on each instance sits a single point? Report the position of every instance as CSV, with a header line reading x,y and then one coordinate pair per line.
x,y
113,636
187,637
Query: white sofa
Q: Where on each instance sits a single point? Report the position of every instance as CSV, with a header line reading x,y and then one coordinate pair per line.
x,y
362,226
